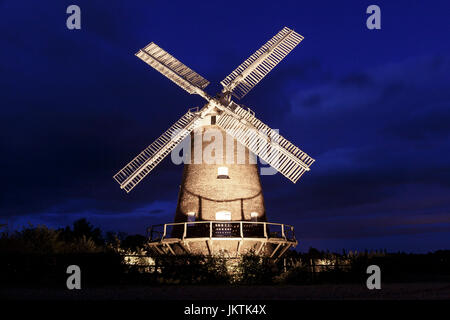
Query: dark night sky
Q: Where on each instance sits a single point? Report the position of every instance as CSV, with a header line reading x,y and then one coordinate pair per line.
x,y
372,107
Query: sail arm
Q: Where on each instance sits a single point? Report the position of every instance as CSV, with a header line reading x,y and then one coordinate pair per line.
x,y
258,65
265,142
136,170
172,68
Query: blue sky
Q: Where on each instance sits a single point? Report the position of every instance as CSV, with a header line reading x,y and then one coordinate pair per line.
x,y
371,106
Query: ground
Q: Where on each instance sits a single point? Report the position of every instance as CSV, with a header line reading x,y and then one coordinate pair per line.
x,y
394,291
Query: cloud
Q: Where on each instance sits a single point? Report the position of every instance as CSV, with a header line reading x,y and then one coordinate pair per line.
x,y
132,221
381,146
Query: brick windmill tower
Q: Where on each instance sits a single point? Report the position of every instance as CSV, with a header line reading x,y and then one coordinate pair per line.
x,y
221,206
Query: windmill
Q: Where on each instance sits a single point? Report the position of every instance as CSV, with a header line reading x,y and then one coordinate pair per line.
x,y
220,205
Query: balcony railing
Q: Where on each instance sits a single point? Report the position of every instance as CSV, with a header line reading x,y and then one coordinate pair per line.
x,y
221,229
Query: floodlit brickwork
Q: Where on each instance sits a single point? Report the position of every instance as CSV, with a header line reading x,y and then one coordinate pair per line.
x,y
205,194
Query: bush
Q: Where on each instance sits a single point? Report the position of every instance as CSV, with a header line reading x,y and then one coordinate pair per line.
x,y
255,269
50,269
40,256
192,269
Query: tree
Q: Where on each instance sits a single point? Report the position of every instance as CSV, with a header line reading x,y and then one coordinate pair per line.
x,y
134,242
82,229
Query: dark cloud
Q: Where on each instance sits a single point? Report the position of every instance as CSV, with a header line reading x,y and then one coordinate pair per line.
x,y
356,80
374,136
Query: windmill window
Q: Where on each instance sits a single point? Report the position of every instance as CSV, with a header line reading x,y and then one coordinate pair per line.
x,y
213,120
222,173
191,216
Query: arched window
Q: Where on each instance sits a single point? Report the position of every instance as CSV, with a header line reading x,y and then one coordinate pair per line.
x,y
222,173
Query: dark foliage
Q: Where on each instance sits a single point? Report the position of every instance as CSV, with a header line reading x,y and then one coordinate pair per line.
x,y
192,269
133,242
352,267
49,270
82,228
40,256
254,269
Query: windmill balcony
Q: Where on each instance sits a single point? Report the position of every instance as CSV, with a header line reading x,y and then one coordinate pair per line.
x,y
231,238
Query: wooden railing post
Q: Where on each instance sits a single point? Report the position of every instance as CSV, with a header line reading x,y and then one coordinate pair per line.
x,y
150,233
242,231
210,229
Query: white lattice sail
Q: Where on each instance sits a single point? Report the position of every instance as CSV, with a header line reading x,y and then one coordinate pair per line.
x,y
172,68
147,160
237,121
249,73
265,142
